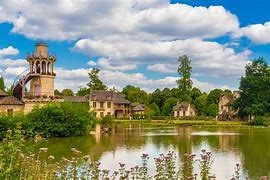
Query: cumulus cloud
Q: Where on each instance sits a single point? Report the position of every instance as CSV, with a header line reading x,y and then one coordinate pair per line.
x,y
151,18
120,79
8,51
163,68
208,58
91,63
258,33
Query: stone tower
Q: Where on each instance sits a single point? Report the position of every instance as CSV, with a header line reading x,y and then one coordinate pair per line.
x,y
41,65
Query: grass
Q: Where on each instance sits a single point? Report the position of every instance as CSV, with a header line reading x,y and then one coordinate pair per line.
x,y
205,123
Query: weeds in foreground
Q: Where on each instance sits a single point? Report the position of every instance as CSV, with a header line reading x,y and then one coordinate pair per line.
x,y
17,164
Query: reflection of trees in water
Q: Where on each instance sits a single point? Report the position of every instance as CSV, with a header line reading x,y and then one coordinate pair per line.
x,y
252,144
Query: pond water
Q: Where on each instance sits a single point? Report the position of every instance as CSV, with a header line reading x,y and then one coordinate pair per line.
x,y
250,147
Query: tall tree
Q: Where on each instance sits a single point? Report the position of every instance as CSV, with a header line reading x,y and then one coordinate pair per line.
x,y
135,94
67,92
95,83
254,89
184,70
2,84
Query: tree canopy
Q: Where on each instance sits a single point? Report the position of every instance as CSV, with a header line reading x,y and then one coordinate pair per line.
x,y
184,70
67,92
2,84
95,83
254,89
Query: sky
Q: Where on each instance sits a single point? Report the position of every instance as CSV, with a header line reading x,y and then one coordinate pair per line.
x,y
136,42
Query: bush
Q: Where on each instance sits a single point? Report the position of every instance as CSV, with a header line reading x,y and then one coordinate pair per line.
x,y
259,121
9,123
59,120
106,120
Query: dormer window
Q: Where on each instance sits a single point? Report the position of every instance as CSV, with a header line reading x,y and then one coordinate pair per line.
x,y
94,97
108,97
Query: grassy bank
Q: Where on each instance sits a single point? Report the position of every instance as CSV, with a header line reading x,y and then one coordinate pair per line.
x,y
195,123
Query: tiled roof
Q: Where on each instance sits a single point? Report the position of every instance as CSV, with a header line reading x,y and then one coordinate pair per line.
x,y
182,105
10,100
76,99
2,93
102,96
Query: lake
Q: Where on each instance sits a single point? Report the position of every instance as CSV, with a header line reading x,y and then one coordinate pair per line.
x,y
248,146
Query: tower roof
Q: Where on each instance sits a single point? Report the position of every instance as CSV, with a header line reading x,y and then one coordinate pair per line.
x,y
41,43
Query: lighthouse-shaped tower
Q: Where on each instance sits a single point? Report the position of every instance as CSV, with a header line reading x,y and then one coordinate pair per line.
x,y
41,65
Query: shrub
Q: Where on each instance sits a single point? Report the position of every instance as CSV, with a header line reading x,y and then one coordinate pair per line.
x,y
59,120
106,120
259,121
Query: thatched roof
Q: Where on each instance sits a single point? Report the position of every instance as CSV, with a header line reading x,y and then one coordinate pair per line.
x,y
2,93
181,106
10,100
102,96
137,107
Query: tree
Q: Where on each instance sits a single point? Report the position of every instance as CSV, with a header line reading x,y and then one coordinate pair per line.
x,y
135,94
157,98
2,84
168,106
254,89
155,109
57,92
95,83
67,92
195,92
200,104
213,96
184,70
83,91
212,110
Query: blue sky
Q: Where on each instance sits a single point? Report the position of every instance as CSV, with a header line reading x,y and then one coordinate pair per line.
x,y
137,42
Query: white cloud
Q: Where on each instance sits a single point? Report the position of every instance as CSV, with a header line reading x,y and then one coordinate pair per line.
x,y
258,33
91,63
163,68
14,71
10,50
120,79
106,64
208,58
73,19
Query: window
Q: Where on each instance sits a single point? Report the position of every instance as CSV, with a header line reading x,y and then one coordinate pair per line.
x,y
221,107
109,104
109,113
101,114
10,112
94,104
101,105
184,113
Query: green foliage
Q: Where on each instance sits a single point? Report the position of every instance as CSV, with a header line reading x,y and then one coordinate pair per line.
x,y
200,104
83,91
184,70
2,84
57,92
213,96
95,83
67,92
135,94
259,121
195,92
106,120
168,106
212,110
9,123
254,89
155,109
59,120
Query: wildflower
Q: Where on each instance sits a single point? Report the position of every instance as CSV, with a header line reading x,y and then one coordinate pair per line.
x,y
75,151
43,149
86,158
65,159
51,157
121,165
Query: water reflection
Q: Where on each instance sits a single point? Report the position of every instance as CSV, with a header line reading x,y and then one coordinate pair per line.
x,y
126,143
